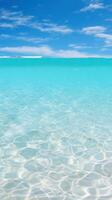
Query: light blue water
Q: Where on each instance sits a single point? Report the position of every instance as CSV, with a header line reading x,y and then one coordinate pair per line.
x,y
56,129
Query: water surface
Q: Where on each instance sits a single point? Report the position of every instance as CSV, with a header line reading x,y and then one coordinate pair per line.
x,y
56,129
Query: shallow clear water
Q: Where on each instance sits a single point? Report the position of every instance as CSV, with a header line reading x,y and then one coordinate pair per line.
x,y
56,129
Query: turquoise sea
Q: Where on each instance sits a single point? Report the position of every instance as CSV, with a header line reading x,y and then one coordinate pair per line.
x,y
55,129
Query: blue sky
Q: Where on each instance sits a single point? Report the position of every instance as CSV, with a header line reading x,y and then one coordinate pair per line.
x,y
61,28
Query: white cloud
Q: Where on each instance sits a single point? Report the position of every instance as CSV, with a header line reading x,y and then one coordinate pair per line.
x,y
71,54
106,37
10,19
75,46
45,51
51,27
91,30
24,38
15,18
99,32
92,7
7,25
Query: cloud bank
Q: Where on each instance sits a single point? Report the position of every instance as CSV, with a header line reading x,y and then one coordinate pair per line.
x,y
46,51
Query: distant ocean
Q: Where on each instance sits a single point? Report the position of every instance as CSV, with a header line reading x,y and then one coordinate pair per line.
x,y
55,129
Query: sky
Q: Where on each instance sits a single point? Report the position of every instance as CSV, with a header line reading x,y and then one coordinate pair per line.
x,y
61,28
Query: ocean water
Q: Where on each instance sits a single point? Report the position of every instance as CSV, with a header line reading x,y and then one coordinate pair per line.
x,y
55,129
